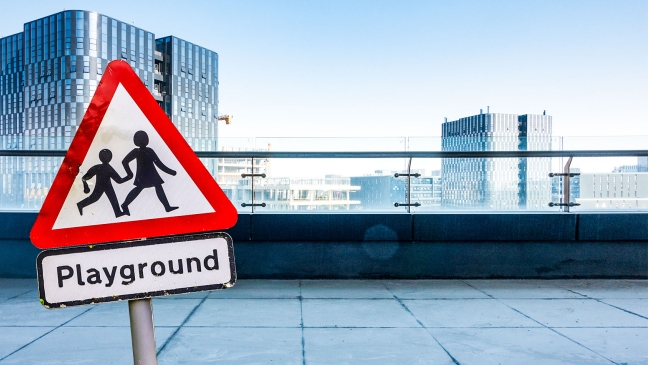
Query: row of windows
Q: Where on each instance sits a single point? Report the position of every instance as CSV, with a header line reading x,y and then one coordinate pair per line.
x,y
614,194
45,37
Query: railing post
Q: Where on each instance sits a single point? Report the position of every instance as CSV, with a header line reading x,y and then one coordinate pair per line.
x,y
566,185
253,175
409,175
409,185
565,204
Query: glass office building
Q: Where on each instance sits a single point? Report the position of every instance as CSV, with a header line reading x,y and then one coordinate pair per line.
x,y
48,75
496,183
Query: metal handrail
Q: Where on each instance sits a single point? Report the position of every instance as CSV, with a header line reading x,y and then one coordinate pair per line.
x,y
374,154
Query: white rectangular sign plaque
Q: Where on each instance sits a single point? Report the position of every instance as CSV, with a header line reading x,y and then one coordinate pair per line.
x,y
135,270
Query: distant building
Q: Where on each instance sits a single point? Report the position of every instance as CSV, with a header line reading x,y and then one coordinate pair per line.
x,y
497,183
641,166
50,71
616,190
381,190
328,193
642,163
231,169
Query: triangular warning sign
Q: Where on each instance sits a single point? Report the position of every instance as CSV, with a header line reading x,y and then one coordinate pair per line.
x,y
128,174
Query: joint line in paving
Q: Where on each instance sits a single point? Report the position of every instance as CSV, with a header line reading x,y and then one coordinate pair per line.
x,y
600,301
16,296
542,324
455,361
48,332
181,325
301,315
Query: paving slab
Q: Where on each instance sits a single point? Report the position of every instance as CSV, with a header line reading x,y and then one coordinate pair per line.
x,y
13,338
621,345
374,322
344,289
247,313
575,313
18,283
629,289
467,313
29,312
432,289
29,294
356,313
500,346
377,346
522,289
196,345
249,289
166,313
10,288
83,345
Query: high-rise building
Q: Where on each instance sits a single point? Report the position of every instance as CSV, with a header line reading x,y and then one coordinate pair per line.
x,y
496,183
188,89
48,75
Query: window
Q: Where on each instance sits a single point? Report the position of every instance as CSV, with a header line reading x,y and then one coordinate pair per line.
x,y
124,55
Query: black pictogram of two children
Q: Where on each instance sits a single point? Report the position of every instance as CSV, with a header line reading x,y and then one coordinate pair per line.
x,y
146,176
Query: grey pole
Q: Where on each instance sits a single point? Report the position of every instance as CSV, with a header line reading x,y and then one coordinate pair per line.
x,y
142,332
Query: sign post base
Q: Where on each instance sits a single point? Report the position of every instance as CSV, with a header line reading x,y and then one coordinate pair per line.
x,y
142,332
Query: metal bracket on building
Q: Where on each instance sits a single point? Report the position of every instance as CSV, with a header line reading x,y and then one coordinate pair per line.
x,y
409,188
566,174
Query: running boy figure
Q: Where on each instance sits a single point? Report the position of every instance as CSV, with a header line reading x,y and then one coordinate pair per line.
x,y
104,173
146,174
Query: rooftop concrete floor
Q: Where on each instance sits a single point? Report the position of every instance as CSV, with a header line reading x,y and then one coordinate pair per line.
x,y
347,322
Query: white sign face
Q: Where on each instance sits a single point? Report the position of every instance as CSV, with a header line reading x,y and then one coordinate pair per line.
x,y
135,270
116,133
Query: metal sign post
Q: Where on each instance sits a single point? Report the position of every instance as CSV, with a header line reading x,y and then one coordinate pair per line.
x,y
131,246
142,332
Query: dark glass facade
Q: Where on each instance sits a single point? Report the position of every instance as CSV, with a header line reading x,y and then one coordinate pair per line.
x,y
189,90
50,71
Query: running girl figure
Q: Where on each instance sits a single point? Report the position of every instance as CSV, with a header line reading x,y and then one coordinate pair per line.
x,y
146,173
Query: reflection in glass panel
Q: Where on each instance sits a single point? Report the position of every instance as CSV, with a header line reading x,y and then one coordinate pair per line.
x,y
25,181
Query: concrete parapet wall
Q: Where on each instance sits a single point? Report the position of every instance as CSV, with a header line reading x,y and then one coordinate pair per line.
x,y
346,245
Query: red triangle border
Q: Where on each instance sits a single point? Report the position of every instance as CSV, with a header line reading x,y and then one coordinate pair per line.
x,y
119,72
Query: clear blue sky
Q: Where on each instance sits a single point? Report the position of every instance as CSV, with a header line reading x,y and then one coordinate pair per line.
x,y
397,68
